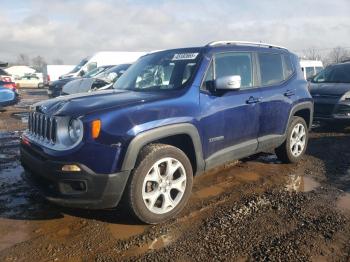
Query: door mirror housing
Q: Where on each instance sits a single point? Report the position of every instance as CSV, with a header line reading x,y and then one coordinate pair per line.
x,y
232,82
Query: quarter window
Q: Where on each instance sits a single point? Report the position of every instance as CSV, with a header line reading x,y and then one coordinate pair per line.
x,y
271,68
288,66
235,63
208,82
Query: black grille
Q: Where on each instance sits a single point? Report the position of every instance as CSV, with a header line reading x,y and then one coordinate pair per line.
x,y
343,109
42,126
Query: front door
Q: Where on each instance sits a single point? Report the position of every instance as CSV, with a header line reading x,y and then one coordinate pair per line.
x,y
229,119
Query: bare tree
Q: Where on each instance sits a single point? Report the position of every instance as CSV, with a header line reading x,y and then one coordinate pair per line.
x,y
23,59
38,63
57,61
337,55
312,54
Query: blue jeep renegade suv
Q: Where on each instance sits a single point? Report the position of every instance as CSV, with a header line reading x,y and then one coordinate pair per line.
x,y
171,116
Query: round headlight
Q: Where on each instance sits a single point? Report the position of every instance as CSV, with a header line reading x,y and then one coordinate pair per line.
x,y
75,130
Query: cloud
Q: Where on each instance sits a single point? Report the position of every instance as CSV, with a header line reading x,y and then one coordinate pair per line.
x,y
70,30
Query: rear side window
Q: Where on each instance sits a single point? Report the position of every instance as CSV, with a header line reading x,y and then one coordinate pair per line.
x,y
235,63
271,68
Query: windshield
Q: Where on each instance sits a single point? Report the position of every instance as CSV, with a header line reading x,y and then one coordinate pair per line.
x,y
3,72
166,70
96,71
334,74
78,66
113,73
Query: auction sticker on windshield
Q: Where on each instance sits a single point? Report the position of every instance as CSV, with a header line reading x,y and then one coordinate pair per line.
x,y
185,56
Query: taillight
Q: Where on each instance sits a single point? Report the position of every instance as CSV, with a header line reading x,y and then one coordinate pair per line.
x,y
6,79
10,85
48,78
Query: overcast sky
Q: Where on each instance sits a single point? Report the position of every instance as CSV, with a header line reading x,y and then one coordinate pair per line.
x,y
70,30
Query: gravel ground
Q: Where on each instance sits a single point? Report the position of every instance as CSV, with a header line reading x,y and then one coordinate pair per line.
x,y
256,209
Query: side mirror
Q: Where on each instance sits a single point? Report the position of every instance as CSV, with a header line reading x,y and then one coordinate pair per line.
x,y
82,73
228,82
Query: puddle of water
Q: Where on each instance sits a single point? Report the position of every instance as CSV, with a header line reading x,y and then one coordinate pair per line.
x,y
343,202
23,116
268,158
11,175
120,231
301,183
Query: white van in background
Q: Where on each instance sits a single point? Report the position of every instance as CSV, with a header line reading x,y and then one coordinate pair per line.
x,y
53,72
101,59
310,67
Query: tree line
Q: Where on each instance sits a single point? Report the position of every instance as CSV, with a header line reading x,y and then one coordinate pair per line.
x,y
336,55
37,62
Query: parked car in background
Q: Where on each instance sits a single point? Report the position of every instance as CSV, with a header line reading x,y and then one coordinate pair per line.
x,y
330,90
310,68
34,80
172,115
55,87
4,76
101,59
8,97
10,85
102,80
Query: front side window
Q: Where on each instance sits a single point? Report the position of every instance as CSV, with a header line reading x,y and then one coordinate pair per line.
x,y
166,70
271,68
235,63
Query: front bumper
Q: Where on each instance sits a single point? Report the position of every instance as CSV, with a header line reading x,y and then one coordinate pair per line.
x,y
329,110
83,189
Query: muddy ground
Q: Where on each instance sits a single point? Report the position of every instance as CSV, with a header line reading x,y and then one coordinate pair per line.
x,y
256,209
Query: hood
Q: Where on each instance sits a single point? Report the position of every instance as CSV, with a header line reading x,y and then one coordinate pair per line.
x,y
333,89
61,82
85,103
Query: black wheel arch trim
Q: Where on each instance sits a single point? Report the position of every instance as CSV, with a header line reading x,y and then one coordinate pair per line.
x,y
301,106
146,137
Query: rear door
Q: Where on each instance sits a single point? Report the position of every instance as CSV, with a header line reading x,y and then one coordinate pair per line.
x,y
277,94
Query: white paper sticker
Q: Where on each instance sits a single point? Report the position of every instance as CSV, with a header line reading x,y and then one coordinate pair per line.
x,y
185,56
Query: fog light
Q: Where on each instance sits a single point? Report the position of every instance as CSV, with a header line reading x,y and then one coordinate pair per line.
x,y
71,168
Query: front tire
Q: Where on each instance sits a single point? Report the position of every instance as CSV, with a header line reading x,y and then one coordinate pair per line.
x,y
160,184
294,147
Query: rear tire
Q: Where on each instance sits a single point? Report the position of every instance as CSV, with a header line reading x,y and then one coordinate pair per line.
x,y
294,147
160,185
